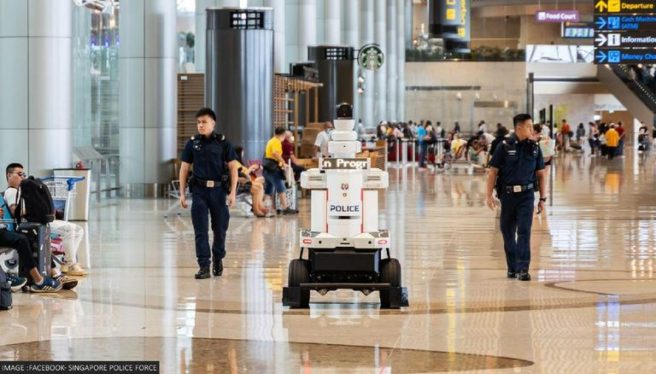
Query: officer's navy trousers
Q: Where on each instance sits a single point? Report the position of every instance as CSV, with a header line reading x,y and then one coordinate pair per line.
x,y
516,221
210,201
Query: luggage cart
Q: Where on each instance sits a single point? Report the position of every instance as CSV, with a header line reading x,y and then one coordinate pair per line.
x,y
62,188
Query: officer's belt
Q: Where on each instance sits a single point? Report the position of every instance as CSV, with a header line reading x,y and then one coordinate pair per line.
x,y
206,183
519,188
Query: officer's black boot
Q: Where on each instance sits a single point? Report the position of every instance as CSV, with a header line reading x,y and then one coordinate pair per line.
x,y
217,268
203,273
511,274
524,276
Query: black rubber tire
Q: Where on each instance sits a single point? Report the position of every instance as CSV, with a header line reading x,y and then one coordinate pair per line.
x,y
390,272
299,272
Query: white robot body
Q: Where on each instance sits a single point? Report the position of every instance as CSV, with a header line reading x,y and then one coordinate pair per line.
x,y
344,196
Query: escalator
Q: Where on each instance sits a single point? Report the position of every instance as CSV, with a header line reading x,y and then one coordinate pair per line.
x,y
637,97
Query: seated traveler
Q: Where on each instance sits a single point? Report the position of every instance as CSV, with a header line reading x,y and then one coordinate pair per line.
x,y
247,176
22,245
70,233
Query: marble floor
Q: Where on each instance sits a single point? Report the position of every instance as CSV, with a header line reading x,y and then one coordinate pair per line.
x,y
591,307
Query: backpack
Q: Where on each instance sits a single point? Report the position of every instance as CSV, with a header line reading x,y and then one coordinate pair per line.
x,y
5,291
35,199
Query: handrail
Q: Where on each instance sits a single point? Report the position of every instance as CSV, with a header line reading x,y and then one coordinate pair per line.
x,y
647,96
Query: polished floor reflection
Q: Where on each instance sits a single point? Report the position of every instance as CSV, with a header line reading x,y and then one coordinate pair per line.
x,y
590,307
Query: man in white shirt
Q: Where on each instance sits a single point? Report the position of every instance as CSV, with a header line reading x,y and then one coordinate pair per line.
x,y
70,233
323,138
482,126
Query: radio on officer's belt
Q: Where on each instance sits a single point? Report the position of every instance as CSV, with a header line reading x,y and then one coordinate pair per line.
x,y
344,244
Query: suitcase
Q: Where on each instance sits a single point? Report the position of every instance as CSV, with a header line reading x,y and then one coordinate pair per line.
x,y
292,198
9,260
5,292
39,236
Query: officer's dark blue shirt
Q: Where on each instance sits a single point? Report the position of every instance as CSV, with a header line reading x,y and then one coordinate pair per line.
x,y
517,161
209,156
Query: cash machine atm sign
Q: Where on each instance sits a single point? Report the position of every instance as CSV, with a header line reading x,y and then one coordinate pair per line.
x,y
345,163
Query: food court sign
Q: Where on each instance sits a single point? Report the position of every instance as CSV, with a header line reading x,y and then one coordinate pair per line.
x,y
557,16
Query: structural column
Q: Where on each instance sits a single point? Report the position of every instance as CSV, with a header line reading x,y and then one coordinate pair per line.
x,y
332,24
351,38
380,108
405,17
147,94
392,60
201,27
367,37
307,30
36,83
279,56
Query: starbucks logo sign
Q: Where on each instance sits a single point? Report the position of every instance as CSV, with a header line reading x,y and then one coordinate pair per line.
x,y
371,57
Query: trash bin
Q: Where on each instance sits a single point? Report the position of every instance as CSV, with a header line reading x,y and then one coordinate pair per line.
x,y
79,204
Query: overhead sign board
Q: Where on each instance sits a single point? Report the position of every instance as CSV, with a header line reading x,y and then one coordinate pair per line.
x,y
625,22
625,31
577,30
625,6
557,16
625,56
451,21
626,40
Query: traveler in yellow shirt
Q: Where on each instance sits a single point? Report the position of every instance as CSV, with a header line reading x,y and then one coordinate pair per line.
x,y
274,165
612,141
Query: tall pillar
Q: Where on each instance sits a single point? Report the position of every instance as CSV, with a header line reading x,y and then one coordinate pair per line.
x,y
239,78
201,27
392,60
36,83
279,56
367,37
332,27
291,36
405,18
307,30
380,107
351,38
147,94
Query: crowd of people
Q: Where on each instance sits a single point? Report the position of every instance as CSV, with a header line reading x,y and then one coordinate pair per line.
x,y
597,138
435,146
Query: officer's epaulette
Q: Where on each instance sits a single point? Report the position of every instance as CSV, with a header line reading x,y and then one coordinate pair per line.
x,y
215,135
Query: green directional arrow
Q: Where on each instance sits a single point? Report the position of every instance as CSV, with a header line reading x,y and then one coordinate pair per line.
x,y
601,4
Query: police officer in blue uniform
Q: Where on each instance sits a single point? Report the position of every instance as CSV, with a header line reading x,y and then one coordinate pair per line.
x,y
516,171
212,186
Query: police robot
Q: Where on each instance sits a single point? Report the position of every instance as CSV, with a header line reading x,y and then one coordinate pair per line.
x,y
344,247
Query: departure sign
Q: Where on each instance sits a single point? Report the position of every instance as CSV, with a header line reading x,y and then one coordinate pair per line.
x,y
625,6
625,31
